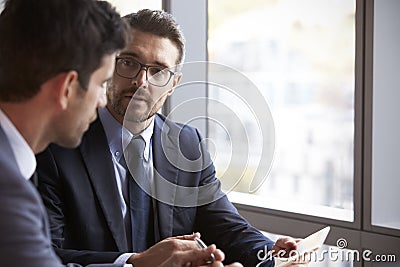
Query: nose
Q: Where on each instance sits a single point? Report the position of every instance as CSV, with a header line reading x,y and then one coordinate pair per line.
x,y
141,78
102,100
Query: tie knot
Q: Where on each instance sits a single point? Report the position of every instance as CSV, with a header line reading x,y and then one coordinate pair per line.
x,y
135,147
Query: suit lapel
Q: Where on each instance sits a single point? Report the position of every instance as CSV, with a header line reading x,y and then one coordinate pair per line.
x,y
164,143
97,158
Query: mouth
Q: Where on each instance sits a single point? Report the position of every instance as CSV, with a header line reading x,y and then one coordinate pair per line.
x,y
128,96
137,98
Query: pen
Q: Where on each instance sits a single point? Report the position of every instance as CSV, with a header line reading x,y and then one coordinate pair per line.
x,y
201,244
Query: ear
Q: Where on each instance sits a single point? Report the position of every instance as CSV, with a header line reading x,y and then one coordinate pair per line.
x,y
177,79
63,86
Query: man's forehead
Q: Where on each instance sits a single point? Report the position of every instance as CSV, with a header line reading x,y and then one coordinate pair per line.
x,y
151,47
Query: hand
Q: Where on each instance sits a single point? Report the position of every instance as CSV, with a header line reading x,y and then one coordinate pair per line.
x,y
283,247
169,251
197,257
283,262
219,264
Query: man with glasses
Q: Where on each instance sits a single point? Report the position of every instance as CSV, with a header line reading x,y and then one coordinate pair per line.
x,y
89,191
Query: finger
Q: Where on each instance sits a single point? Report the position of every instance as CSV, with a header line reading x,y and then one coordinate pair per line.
x,y
215,264
235,264
291,243
215,254
218,255
188,244
284,239
219,264
194,257
186,237
286,243
280,252
283,247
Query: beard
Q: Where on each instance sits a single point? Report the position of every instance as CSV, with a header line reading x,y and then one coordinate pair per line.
x,y
115,99
133,112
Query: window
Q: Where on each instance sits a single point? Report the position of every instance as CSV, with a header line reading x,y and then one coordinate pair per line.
x,y
300,55
324,69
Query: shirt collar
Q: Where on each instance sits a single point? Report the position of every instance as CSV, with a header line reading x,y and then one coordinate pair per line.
x,y
23,153
119,137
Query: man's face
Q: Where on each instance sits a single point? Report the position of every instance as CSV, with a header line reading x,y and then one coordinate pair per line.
x,y
144,98
82,109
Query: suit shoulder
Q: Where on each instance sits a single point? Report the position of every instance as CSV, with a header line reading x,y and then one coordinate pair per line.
x,y
179,129
54,151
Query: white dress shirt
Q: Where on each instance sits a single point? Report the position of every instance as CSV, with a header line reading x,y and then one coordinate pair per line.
x,y
23,153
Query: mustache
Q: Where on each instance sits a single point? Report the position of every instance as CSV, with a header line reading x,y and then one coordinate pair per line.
x,y
141,93
135,91
130,90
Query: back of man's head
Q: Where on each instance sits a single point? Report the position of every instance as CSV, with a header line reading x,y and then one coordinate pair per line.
x,y
42,38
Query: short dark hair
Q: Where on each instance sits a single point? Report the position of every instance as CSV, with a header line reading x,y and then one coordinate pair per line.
x,y
42,38
159,23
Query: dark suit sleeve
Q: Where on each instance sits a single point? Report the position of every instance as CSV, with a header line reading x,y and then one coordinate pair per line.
x,y
52,191
220,223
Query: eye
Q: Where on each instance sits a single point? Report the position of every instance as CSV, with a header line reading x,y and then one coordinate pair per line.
x,y
128,62
154,70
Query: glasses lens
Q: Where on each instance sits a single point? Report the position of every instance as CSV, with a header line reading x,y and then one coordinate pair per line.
x,y
127,68
158,76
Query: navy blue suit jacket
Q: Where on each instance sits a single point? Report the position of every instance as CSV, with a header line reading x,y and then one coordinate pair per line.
x,y
24,228
79,190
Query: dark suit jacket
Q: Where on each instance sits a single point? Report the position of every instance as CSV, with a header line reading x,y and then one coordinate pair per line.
x,y
79,190
24,228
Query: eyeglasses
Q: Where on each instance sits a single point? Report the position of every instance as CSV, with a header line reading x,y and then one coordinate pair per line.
x,y
130,68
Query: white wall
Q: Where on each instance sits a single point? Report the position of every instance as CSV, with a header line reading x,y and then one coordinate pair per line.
x,y
386,115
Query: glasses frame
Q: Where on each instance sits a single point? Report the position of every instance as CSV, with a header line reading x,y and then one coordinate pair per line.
x,y
146,68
